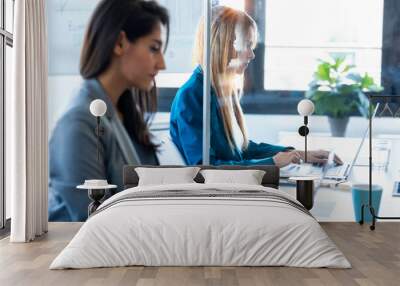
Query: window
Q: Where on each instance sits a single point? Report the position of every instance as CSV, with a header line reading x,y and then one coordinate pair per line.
x,y
293,35
332,27
66,26
235,4
184,17
6,43
68,19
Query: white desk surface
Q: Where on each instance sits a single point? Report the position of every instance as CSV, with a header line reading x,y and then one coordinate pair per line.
x,y
333,204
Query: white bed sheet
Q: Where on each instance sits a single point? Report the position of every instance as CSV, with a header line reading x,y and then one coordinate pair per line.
x,y
200,231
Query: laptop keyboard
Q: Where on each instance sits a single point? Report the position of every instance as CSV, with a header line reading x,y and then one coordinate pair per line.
x,y
396,189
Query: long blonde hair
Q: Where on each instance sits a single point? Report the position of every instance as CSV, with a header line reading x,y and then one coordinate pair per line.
x,y
223,80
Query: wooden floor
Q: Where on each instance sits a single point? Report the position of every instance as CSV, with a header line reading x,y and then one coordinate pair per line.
x,y
375,257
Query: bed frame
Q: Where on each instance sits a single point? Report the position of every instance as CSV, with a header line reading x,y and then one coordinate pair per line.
x,y
270,179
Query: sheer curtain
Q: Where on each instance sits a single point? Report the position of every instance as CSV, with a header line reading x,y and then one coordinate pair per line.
x,y
26,124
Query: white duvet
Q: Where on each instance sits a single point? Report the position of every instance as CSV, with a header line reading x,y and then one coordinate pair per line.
x,y
183,231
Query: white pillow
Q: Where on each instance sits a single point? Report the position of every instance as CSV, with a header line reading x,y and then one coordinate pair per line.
x,y
166,176
248,177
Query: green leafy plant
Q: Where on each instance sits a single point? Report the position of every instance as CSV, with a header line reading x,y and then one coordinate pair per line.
x,y
338,91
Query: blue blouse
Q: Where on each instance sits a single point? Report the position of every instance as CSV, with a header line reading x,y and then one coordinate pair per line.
x,y
186,129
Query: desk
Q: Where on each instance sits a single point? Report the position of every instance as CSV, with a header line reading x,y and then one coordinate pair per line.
x,y
332,204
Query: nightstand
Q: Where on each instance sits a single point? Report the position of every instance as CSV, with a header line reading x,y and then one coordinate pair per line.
x,y
305,190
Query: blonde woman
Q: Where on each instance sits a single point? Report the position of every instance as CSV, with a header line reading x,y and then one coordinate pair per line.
x,y
233,38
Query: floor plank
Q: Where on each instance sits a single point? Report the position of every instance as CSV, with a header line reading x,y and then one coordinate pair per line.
x,y
375,257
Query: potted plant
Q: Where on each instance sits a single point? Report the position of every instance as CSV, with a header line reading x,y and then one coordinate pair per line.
x,y
338,91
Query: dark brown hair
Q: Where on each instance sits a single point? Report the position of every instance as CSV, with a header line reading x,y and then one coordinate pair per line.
x,y
137,18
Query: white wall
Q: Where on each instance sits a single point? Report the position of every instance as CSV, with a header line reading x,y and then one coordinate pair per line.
x,y
61,91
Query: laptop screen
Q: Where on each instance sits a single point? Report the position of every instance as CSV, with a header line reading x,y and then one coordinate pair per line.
x,y
329,163
361,143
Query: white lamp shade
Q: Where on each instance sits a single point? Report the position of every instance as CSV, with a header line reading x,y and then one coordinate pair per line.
x,y
305,107
98,107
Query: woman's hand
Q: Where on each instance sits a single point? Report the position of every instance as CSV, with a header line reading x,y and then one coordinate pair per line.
x,y
319,157
282,159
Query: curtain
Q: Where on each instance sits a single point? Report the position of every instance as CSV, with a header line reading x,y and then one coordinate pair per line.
x,y
26,124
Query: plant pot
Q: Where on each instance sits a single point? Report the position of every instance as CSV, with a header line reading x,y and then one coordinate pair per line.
x,y
338,126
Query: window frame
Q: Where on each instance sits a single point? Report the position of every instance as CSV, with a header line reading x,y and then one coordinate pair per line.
x,y
390,51
6,39
285,101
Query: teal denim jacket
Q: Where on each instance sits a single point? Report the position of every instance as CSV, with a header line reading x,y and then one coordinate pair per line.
x,y
186,130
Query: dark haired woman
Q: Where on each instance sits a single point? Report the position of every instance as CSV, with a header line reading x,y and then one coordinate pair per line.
x,y
121,55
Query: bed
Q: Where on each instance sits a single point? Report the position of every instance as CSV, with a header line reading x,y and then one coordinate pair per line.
x,y
198,224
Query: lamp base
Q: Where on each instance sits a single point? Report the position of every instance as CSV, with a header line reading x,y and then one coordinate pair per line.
x,y
96,195
374,216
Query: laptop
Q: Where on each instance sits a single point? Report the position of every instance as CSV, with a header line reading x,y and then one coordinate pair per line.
x,y
328,171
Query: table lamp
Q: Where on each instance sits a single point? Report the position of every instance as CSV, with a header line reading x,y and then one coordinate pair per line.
x,y
369,206
97,187
98,108
305,108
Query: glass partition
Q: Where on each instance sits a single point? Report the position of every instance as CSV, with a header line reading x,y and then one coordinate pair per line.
x,y
67,21
66,26
171,121
185,16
